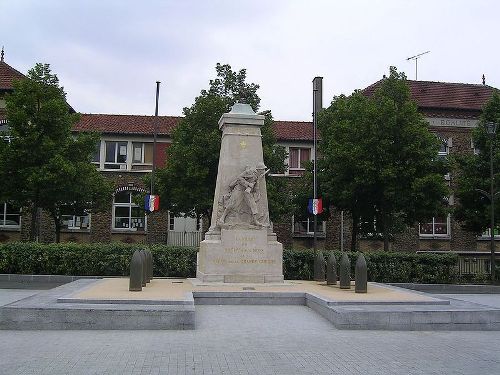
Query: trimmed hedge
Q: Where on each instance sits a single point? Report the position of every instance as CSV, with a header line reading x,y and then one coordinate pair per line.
x,y
110,259
384,267
113,259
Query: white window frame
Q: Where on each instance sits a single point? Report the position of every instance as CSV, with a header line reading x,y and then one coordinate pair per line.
x,y
123,165
287,160
486,235
447,142
475,150
143,144
73,219
129,205
309,226
3,219
434,234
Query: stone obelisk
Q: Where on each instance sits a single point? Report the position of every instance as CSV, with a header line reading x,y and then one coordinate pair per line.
x,y
240,247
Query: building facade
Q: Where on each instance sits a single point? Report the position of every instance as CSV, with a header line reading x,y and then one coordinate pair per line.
x,y
125,155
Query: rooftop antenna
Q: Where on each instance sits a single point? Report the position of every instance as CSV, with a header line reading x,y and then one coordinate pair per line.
x,y
416,57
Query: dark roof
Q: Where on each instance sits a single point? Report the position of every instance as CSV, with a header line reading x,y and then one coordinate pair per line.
x,y
7,75
445,95
293,130
126,124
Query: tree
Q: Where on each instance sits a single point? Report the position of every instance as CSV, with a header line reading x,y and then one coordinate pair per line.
x,y
187,183
473,208
45,166
379,160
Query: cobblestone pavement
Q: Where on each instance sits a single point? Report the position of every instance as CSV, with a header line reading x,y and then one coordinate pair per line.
x,y
250,340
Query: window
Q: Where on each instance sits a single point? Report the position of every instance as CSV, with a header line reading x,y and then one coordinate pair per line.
x,y
74,220
297,160
96,158
305,226
171,222
475,150
487,233
10,216
437,227
126,214
444,149
142,153
116,155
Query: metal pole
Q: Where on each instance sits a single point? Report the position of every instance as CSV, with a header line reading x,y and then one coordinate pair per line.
x,y
341,231
416,69
155,131
315,193
492,225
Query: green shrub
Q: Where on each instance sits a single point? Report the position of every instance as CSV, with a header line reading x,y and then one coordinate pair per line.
x,y
110,259
382,266
113,259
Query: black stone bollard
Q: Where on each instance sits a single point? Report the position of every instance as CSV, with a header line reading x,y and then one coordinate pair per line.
x,y
319,266
361,275
144,270
135,284
331,270
345,272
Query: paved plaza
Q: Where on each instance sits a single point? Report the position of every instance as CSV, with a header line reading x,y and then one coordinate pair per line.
x,y
250,340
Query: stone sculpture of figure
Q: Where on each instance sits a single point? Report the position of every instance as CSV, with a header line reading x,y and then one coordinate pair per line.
x,y
245,188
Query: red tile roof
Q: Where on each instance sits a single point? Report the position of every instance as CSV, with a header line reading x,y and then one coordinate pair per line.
x,y
126,124
7,75
444,95
293,130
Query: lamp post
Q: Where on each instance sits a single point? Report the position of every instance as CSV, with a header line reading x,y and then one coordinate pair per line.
x,y
491,129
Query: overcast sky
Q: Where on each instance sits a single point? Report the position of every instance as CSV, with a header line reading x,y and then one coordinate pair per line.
x,y
109,54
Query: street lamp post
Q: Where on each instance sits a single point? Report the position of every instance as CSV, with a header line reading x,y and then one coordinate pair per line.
x,y
491,129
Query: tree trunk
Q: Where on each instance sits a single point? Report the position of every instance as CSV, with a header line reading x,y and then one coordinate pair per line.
x,y
58,229
354,232
34,211
386,232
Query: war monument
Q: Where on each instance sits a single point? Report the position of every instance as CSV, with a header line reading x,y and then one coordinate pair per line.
x,y
239,246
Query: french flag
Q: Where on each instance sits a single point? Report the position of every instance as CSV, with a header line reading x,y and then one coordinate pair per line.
x,y
315,206
152,202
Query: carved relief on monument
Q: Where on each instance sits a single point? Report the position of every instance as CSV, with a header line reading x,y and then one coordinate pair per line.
x,y
240,205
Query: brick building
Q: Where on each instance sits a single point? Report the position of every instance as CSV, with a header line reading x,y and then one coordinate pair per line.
x,y
125,155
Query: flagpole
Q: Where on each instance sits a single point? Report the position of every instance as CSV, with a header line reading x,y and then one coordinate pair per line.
x,y
155,135
317,105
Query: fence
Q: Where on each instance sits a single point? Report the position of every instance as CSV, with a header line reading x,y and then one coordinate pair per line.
x,y
474,265
184,238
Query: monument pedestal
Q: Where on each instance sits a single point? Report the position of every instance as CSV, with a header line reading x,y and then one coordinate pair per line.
x,y
240,256
239,247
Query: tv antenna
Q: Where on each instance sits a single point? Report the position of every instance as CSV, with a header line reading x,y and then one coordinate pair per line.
x,y
416,57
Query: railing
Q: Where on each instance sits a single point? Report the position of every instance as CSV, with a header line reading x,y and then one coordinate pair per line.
x,y
184,238
473,265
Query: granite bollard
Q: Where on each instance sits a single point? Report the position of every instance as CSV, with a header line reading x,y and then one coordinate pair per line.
x,y
144,270
135,283
319,266
361,275
345,272
331,270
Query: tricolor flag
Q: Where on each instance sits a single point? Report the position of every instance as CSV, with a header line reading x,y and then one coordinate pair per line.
x,y
315,206
151,202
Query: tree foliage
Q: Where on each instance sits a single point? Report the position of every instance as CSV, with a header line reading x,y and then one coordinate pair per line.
x,y
44,165
473,208
379,160
187,183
